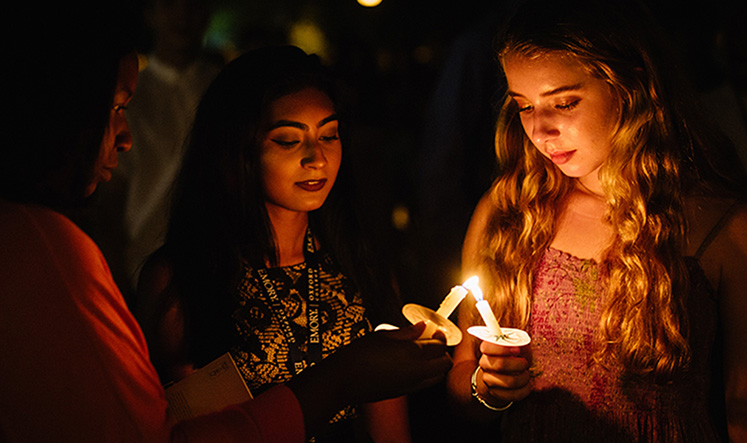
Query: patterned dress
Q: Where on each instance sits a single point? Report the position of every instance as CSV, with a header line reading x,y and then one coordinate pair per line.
x,y
575,399
263,355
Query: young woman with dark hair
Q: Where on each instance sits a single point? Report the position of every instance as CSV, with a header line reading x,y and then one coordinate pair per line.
x,y
264,255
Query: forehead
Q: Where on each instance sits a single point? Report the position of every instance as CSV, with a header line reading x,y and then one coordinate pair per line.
x,y
307,100
543,73
127,75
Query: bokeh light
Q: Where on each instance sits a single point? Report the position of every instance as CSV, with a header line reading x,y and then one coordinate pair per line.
x,y
369,3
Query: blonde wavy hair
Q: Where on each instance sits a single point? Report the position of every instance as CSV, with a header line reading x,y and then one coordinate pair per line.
x,y
645,325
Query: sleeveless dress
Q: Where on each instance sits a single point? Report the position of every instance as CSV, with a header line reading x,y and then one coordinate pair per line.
x,y
263,353
575,399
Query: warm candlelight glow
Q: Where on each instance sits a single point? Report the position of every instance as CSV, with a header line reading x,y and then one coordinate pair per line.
x,y
483,306
472,284
452,300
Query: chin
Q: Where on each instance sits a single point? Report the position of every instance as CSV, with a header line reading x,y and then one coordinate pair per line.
x,y
572,171
90,189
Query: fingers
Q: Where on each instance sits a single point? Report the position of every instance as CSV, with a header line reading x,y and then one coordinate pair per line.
x,y
506,387
439,335
488,348
504,372
505,379
441,365
411,332
431,348
430,360
504,364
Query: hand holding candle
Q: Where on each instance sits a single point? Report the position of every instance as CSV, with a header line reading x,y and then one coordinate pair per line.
x,y
492,331
436,320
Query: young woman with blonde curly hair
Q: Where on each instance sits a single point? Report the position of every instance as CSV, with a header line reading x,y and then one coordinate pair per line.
x,y
614,235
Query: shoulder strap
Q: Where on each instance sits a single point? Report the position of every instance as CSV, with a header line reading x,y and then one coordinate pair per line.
x,y
715,230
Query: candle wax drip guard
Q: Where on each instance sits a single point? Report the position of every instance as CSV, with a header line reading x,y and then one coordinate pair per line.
x,y
433,322
510,337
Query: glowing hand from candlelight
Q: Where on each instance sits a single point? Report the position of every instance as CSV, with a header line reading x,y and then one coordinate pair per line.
x,y
492,331
505,373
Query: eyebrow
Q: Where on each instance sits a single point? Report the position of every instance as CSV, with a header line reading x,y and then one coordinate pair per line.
x,y
302,126
555,91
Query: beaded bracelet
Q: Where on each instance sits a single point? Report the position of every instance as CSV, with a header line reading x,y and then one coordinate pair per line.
x,y
482,401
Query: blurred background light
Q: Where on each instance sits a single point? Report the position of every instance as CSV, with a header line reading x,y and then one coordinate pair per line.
x,y
309,37
369,3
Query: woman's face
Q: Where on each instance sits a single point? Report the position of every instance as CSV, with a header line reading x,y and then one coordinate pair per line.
x,y
568,114
117,136
300,152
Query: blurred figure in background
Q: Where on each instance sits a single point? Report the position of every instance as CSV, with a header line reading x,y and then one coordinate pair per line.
x,y
456,158
129,218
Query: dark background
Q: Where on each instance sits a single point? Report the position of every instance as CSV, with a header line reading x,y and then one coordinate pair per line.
x,y
421,85
399,58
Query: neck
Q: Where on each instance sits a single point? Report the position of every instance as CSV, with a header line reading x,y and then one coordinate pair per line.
x,y
591,187
289,229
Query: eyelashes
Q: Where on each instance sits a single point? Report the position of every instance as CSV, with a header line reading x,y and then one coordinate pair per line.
x,y
560,107
568,106
292,143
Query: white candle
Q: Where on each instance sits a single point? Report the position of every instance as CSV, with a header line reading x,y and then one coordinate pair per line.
x,y
483,307
489,318
452,300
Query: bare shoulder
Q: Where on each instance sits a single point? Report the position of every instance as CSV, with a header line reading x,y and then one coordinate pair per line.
x,y
483,210
476,231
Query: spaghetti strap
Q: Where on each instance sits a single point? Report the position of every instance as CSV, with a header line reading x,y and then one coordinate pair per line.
x,y
715,230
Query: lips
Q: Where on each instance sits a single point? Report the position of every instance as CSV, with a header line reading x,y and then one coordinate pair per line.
x,y
312,185
560,158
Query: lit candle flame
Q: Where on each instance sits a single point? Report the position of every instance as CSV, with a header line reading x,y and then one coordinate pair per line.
x,y
483,307
473,285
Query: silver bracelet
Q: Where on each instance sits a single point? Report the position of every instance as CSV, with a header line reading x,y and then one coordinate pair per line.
x,y
482,401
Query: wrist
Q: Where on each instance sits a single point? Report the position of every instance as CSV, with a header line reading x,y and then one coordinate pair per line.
x,y
480,399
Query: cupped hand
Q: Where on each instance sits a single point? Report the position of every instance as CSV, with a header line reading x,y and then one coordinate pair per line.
x,y
388,364
504,375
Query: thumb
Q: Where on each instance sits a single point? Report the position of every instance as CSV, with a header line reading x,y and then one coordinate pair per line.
x,y
411,332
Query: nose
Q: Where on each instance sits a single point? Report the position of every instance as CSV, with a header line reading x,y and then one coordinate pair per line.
x,y
314,156
543,128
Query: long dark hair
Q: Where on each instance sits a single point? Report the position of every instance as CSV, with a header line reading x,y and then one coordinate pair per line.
x,y
218,217
61,85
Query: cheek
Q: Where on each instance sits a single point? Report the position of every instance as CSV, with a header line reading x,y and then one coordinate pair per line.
x,y
277,173
106,148
601,137
335,161
107,143
268,173
526,125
